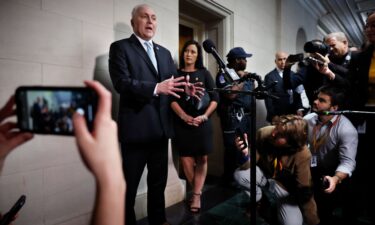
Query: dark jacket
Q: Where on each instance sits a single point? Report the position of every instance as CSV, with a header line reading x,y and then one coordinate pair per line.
x,y
295,175
358,75
142,116
283,105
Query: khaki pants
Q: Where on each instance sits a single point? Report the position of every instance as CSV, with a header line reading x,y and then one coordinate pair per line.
x,y
287,213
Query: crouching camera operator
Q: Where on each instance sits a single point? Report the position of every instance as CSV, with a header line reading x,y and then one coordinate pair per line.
x,y
282,170
313,71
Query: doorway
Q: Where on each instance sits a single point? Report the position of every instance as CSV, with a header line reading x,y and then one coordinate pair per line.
x,y
201,20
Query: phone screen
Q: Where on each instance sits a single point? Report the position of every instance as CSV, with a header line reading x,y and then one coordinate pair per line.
x,y
49,110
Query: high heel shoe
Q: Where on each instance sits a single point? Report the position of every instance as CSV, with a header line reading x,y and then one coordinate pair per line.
x,y
195,205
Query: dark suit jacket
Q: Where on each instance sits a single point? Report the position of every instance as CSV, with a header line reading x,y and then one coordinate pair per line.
x,y
142,116
281,106
312,80
358,75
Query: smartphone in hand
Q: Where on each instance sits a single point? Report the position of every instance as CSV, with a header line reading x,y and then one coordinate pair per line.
x,y
49,110
8,217
240,134
295,58
324,183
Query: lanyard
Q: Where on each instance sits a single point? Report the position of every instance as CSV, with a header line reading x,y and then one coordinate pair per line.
x,y
318,142
277,166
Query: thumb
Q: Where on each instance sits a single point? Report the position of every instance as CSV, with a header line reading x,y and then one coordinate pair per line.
x,y
80,130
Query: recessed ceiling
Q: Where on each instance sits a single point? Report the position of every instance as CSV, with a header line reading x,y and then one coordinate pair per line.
x,y
348,16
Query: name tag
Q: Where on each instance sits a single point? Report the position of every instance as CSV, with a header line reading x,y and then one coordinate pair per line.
x,y
361,129
314,161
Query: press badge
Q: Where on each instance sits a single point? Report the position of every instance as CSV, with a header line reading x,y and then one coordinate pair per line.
x,y
361,128
221,79
314,161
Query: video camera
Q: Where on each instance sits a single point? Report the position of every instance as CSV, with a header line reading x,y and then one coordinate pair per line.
x,y
314,46
300,58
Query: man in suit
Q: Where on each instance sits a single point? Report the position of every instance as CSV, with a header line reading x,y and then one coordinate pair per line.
x,y
289,101
142,73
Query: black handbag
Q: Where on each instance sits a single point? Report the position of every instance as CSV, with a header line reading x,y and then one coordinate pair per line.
x,y
203,103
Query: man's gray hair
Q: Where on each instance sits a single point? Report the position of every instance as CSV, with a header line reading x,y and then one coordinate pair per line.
x,y
340,36
138,7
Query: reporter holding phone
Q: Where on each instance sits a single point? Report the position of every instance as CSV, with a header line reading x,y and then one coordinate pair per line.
x,y
99,150
9,137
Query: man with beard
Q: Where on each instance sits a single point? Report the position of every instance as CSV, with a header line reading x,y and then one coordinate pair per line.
x,y
333,143
233,109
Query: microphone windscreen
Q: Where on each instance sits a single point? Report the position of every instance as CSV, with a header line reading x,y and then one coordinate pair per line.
x,y
208,45
326,113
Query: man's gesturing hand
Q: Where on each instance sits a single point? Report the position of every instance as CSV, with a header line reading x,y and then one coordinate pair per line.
x,y
171,86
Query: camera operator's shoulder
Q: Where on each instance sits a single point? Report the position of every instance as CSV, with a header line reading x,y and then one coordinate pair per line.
x,y
304,153
348,126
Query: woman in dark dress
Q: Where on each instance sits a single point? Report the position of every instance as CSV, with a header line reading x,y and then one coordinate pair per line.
x,y
193,127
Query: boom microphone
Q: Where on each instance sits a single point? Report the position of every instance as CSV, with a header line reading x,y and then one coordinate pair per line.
x,y
209,47
326,113
345,112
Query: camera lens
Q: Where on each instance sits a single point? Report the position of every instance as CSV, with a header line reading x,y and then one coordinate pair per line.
x,y
316,47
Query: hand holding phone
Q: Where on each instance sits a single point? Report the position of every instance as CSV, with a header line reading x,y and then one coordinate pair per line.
x,y
295,58
324,183
240,134
49,110
8,217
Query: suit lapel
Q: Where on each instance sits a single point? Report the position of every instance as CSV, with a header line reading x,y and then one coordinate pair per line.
x,y
141,51
157,55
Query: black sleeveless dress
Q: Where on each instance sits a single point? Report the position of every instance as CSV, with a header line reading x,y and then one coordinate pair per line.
x,y
190,140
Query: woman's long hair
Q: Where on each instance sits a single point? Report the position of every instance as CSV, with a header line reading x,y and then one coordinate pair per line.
x,y
199,62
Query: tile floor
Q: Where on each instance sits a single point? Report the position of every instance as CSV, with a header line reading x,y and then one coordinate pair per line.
x,y
220,205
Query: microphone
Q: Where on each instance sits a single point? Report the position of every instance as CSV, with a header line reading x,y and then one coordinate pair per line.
x,y
210,48
345,112
253,76
326,113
